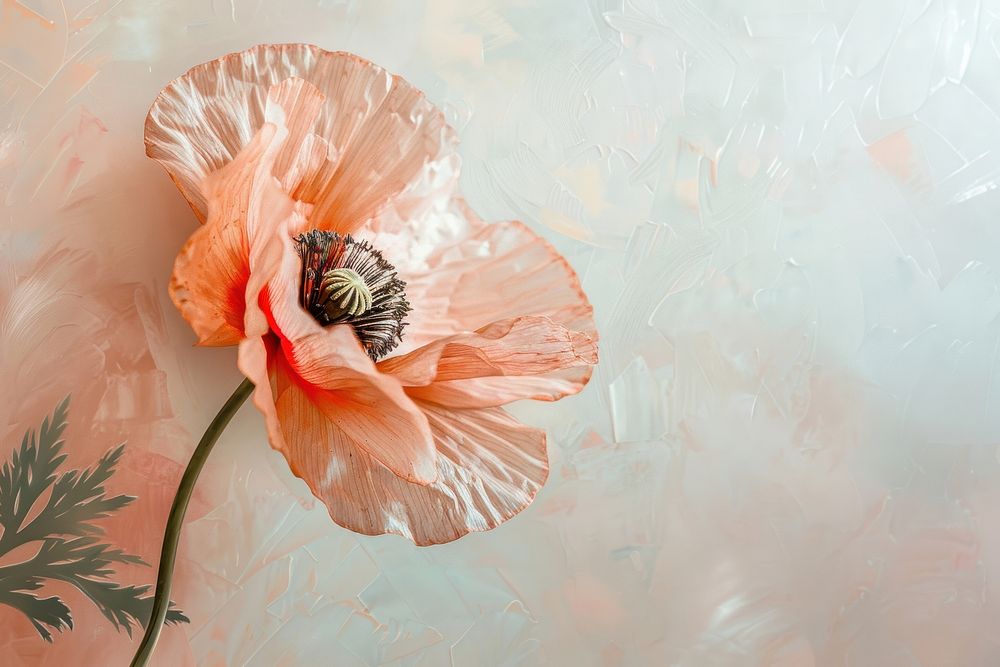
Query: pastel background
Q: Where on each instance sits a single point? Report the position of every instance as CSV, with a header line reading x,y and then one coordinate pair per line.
x,y
786,216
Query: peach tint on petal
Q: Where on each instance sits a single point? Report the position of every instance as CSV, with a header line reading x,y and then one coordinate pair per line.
x,y
489,468
524,348
246,209
512,273
521,346
212,269
370,408
477,274
388,145
490,272
487,392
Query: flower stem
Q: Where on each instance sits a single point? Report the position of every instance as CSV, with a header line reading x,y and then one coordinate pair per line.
x,y
175,520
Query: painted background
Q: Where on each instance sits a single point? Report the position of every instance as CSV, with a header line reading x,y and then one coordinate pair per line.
x,y
786,216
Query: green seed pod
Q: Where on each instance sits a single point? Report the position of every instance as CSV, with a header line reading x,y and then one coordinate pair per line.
x,y
344,293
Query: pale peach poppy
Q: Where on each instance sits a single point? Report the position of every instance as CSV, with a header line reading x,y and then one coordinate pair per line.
x,y
326,189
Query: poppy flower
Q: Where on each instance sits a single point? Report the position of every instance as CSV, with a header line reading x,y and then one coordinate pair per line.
x,y
383,324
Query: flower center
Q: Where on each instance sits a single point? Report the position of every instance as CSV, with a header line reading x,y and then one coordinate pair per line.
x,y
346,281
343,292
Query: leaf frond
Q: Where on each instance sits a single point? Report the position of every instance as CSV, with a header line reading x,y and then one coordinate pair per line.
x,y
67,528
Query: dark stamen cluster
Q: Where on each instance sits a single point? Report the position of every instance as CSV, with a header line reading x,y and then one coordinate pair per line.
x,y
380,327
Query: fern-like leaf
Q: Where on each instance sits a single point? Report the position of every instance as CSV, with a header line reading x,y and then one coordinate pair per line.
x,y
66,527
41,612
31,470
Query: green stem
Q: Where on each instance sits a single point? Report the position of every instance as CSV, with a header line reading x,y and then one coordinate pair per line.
x,y
175,521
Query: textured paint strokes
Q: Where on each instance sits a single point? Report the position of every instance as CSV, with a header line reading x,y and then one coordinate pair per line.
x,y
786,220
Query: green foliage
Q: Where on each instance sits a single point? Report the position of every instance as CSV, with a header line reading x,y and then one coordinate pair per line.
x,y
66,530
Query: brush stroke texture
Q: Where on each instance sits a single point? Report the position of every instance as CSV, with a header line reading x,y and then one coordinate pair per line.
x,y
785,219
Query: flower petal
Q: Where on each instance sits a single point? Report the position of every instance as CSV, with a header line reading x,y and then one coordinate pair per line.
x,y
254,360
492,272
244,203
489,468
391,144
486,392
333,370
512,271
212,269
495,272
505,353
520,346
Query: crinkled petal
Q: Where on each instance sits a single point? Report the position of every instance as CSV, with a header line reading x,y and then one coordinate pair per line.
x,y
511,271
246,207
257,361
520,346
296,104
332,369
505,353
489,468
494,272
488,392
209,279
382,142
480,274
